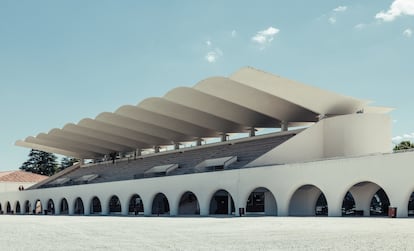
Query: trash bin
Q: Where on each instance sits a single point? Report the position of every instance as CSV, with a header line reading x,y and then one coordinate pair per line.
x,y
392,212
241,211
45,211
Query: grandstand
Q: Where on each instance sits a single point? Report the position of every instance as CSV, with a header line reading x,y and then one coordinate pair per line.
x,y
187,161
322,153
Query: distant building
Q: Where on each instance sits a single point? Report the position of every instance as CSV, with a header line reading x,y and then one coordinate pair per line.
x,y
323,154
18,180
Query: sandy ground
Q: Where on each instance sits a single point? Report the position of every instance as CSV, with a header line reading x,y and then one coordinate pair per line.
x,y
247,233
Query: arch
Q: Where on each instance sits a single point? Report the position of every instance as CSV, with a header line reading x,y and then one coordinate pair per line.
x,y
96,207
160,205
78,207
136,206
188,204
348,205
17,208
365,199
38,207
261,202
410,205
50,207
9,208
64,207
222,203
379,203
308,200
27,207
115,205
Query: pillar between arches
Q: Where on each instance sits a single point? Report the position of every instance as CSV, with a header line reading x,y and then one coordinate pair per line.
x,y
87,206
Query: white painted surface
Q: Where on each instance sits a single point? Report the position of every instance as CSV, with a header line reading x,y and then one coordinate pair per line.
x,y
392,172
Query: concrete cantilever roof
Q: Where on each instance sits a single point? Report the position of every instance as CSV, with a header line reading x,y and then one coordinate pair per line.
x,y
215,106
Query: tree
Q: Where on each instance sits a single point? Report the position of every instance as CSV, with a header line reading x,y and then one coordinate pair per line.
x,y
404,145
41,163
67,162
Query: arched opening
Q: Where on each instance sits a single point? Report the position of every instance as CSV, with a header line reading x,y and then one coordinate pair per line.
x,y
17,209
188,204
365,199
321,208
8,208
50,207
379,204
79,209
160,205
348,205
410,206
222,203
64,207
27,207
136,206
96,207
308,200
38,207
115,205
261,202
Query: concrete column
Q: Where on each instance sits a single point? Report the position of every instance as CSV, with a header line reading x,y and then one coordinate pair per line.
x,y
71,206
284,125
270,204
87,206
199,141
137,153
363,194
105,205
252,132
57,207
173,209
334,205
223,137
228,204
204,203
125,207
147,205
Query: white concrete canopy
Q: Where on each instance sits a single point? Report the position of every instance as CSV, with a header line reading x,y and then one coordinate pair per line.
x,y
214,107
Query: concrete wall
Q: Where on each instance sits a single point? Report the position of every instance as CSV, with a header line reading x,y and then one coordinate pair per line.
x,y
14,186
392,172
341,136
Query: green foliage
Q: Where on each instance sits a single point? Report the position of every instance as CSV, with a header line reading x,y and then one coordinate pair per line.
x,y
41,163
67,162
404,145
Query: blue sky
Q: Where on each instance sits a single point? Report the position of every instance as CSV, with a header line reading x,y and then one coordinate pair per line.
x,y
61,61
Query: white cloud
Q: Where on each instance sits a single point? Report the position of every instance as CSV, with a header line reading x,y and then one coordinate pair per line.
x,y
335,13
213,55
397,139
406,137
332,20
360,26
408,33
233,33
265,37
208,42
397,8
340,9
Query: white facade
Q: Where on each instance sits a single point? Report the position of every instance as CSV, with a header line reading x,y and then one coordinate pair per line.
x,y
344,152
349,153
